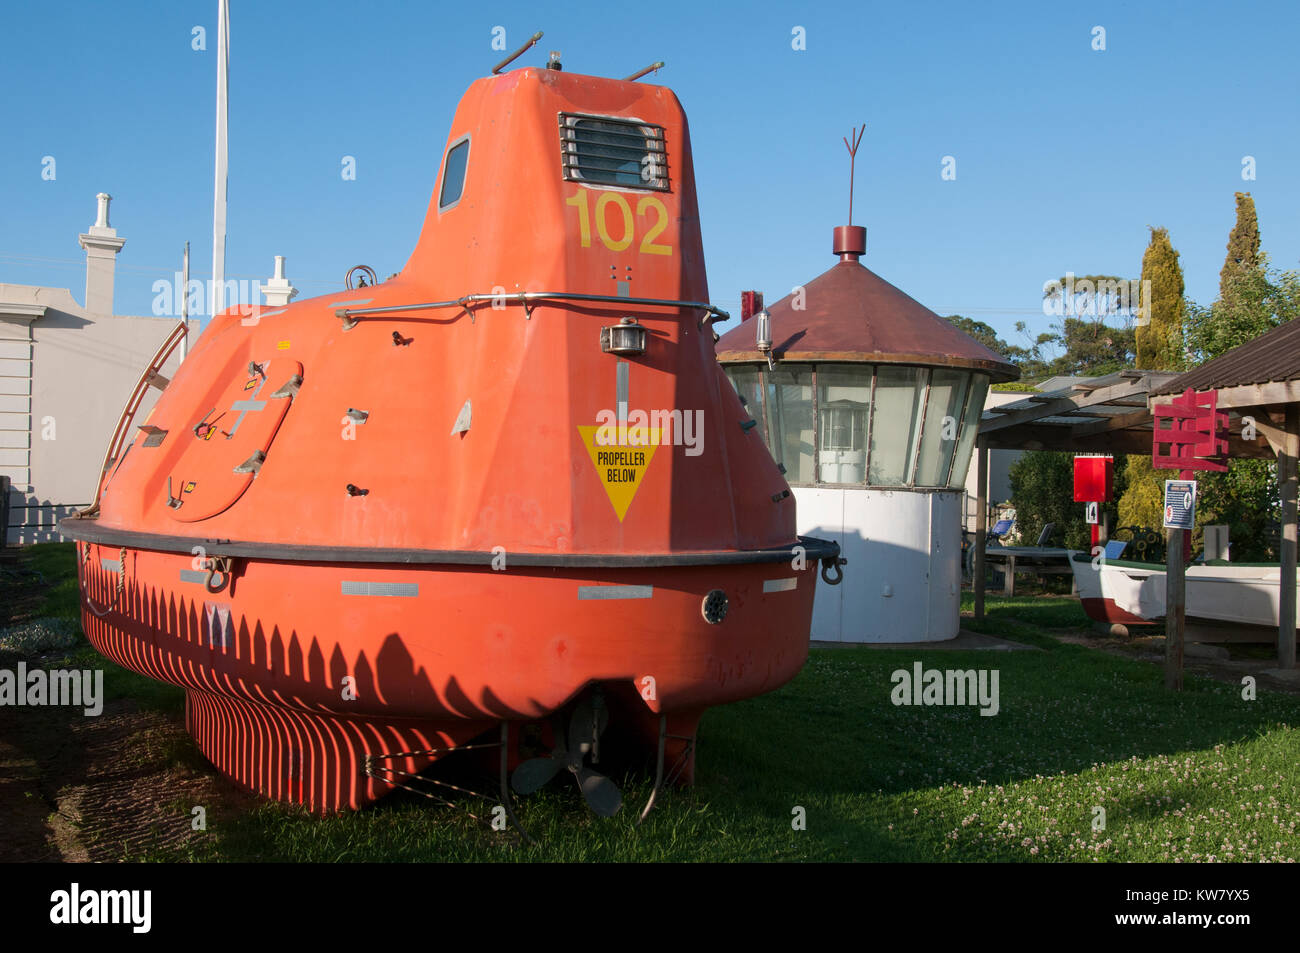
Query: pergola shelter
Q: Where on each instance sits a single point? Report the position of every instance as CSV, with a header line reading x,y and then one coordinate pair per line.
x,y
1259,383
1113,414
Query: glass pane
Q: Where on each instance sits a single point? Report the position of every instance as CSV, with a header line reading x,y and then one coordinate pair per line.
x,y
970,425
894,424
942,426
843,404
790,417
749,385
453,174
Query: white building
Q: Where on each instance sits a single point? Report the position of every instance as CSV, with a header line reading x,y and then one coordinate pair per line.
x,y
66,371
871,406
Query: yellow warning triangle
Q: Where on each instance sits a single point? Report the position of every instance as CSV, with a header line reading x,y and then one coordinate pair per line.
x,y
620,466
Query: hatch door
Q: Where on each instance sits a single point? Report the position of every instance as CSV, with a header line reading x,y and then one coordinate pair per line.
x,y
231,440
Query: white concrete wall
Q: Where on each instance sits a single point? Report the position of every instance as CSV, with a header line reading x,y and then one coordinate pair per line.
x,y
83,368
902,582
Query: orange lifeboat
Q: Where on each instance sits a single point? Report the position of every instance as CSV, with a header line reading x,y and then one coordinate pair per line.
x,y
509,485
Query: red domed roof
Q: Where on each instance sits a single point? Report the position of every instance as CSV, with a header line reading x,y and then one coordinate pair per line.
x,y
853,315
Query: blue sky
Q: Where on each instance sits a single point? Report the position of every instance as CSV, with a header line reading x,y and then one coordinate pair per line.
x,y
1064,155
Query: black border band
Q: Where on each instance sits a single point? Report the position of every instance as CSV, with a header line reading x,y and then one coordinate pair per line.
x,y
89,531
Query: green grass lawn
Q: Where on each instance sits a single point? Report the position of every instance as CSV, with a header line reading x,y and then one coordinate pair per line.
x,y
1201,775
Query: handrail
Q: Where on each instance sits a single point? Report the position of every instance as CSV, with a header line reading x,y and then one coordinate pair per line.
x,y
147,379
349,315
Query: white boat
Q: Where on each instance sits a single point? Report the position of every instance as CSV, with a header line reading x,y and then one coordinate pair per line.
x,y
1133,593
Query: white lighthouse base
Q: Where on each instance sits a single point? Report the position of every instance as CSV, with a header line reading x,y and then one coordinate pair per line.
x,y
902,582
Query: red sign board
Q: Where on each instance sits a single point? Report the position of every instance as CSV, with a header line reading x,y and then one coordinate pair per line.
x,y
1193,430
751,302
1094,479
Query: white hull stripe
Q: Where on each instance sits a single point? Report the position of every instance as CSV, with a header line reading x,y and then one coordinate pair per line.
x,y
615,592
354,588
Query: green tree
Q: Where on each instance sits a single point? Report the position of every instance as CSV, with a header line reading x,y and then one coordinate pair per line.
x,y
1042,491
1243,246
1252,300
1159,337
1093,347
1143,501
1028,359
981,332
1159,346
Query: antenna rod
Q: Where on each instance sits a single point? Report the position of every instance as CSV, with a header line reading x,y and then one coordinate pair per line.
x,y
517,53
853,158
652,68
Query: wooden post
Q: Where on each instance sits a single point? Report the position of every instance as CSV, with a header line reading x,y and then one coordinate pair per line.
x,y
1175,608
1286,478
981,523
1009,576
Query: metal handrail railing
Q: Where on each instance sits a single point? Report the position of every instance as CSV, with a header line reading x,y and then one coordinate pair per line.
x,y
526,298
148,379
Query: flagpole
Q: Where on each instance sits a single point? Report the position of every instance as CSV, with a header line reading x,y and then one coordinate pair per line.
x,y
219,197
185,304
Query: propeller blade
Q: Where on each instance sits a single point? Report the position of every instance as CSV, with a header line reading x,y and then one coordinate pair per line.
x,y
533,773
602,794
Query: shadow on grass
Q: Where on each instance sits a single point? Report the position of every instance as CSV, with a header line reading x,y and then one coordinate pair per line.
x,y
830,748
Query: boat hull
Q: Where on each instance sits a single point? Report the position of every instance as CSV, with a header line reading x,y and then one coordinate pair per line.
x,y
297,673
1134,593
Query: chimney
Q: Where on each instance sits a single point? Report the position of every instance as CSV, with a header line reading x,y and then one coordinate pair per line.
x,y
102,245
278,291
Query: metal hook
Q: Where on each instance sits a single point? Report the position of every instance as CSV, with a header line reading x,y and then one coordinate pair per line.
x,y
829,563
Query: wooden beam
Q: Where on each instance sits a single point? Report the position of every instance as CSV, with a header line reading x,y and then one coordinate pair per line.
x,y
1117,422
1249,395
1287,478
1051,437
1063,405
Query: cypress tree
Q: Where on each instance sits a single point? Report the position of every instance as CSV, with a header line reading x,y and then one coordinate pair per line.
x,y
1243,246
1160,338
1159,347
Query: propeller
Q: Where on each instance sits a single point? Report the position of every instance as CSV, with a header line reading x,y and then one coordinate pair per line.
x,y
586,724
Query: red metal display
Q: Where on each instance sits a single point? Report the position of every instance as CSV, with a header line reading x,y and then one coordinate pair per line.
x,y
1094,479
1196,434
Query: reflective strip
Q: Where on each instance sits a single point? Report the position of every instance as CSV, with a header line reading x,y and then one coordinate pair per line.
x,y
780,585
615,592
194,575
248,405
110,565
620,389
271,314
356,588
350,304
